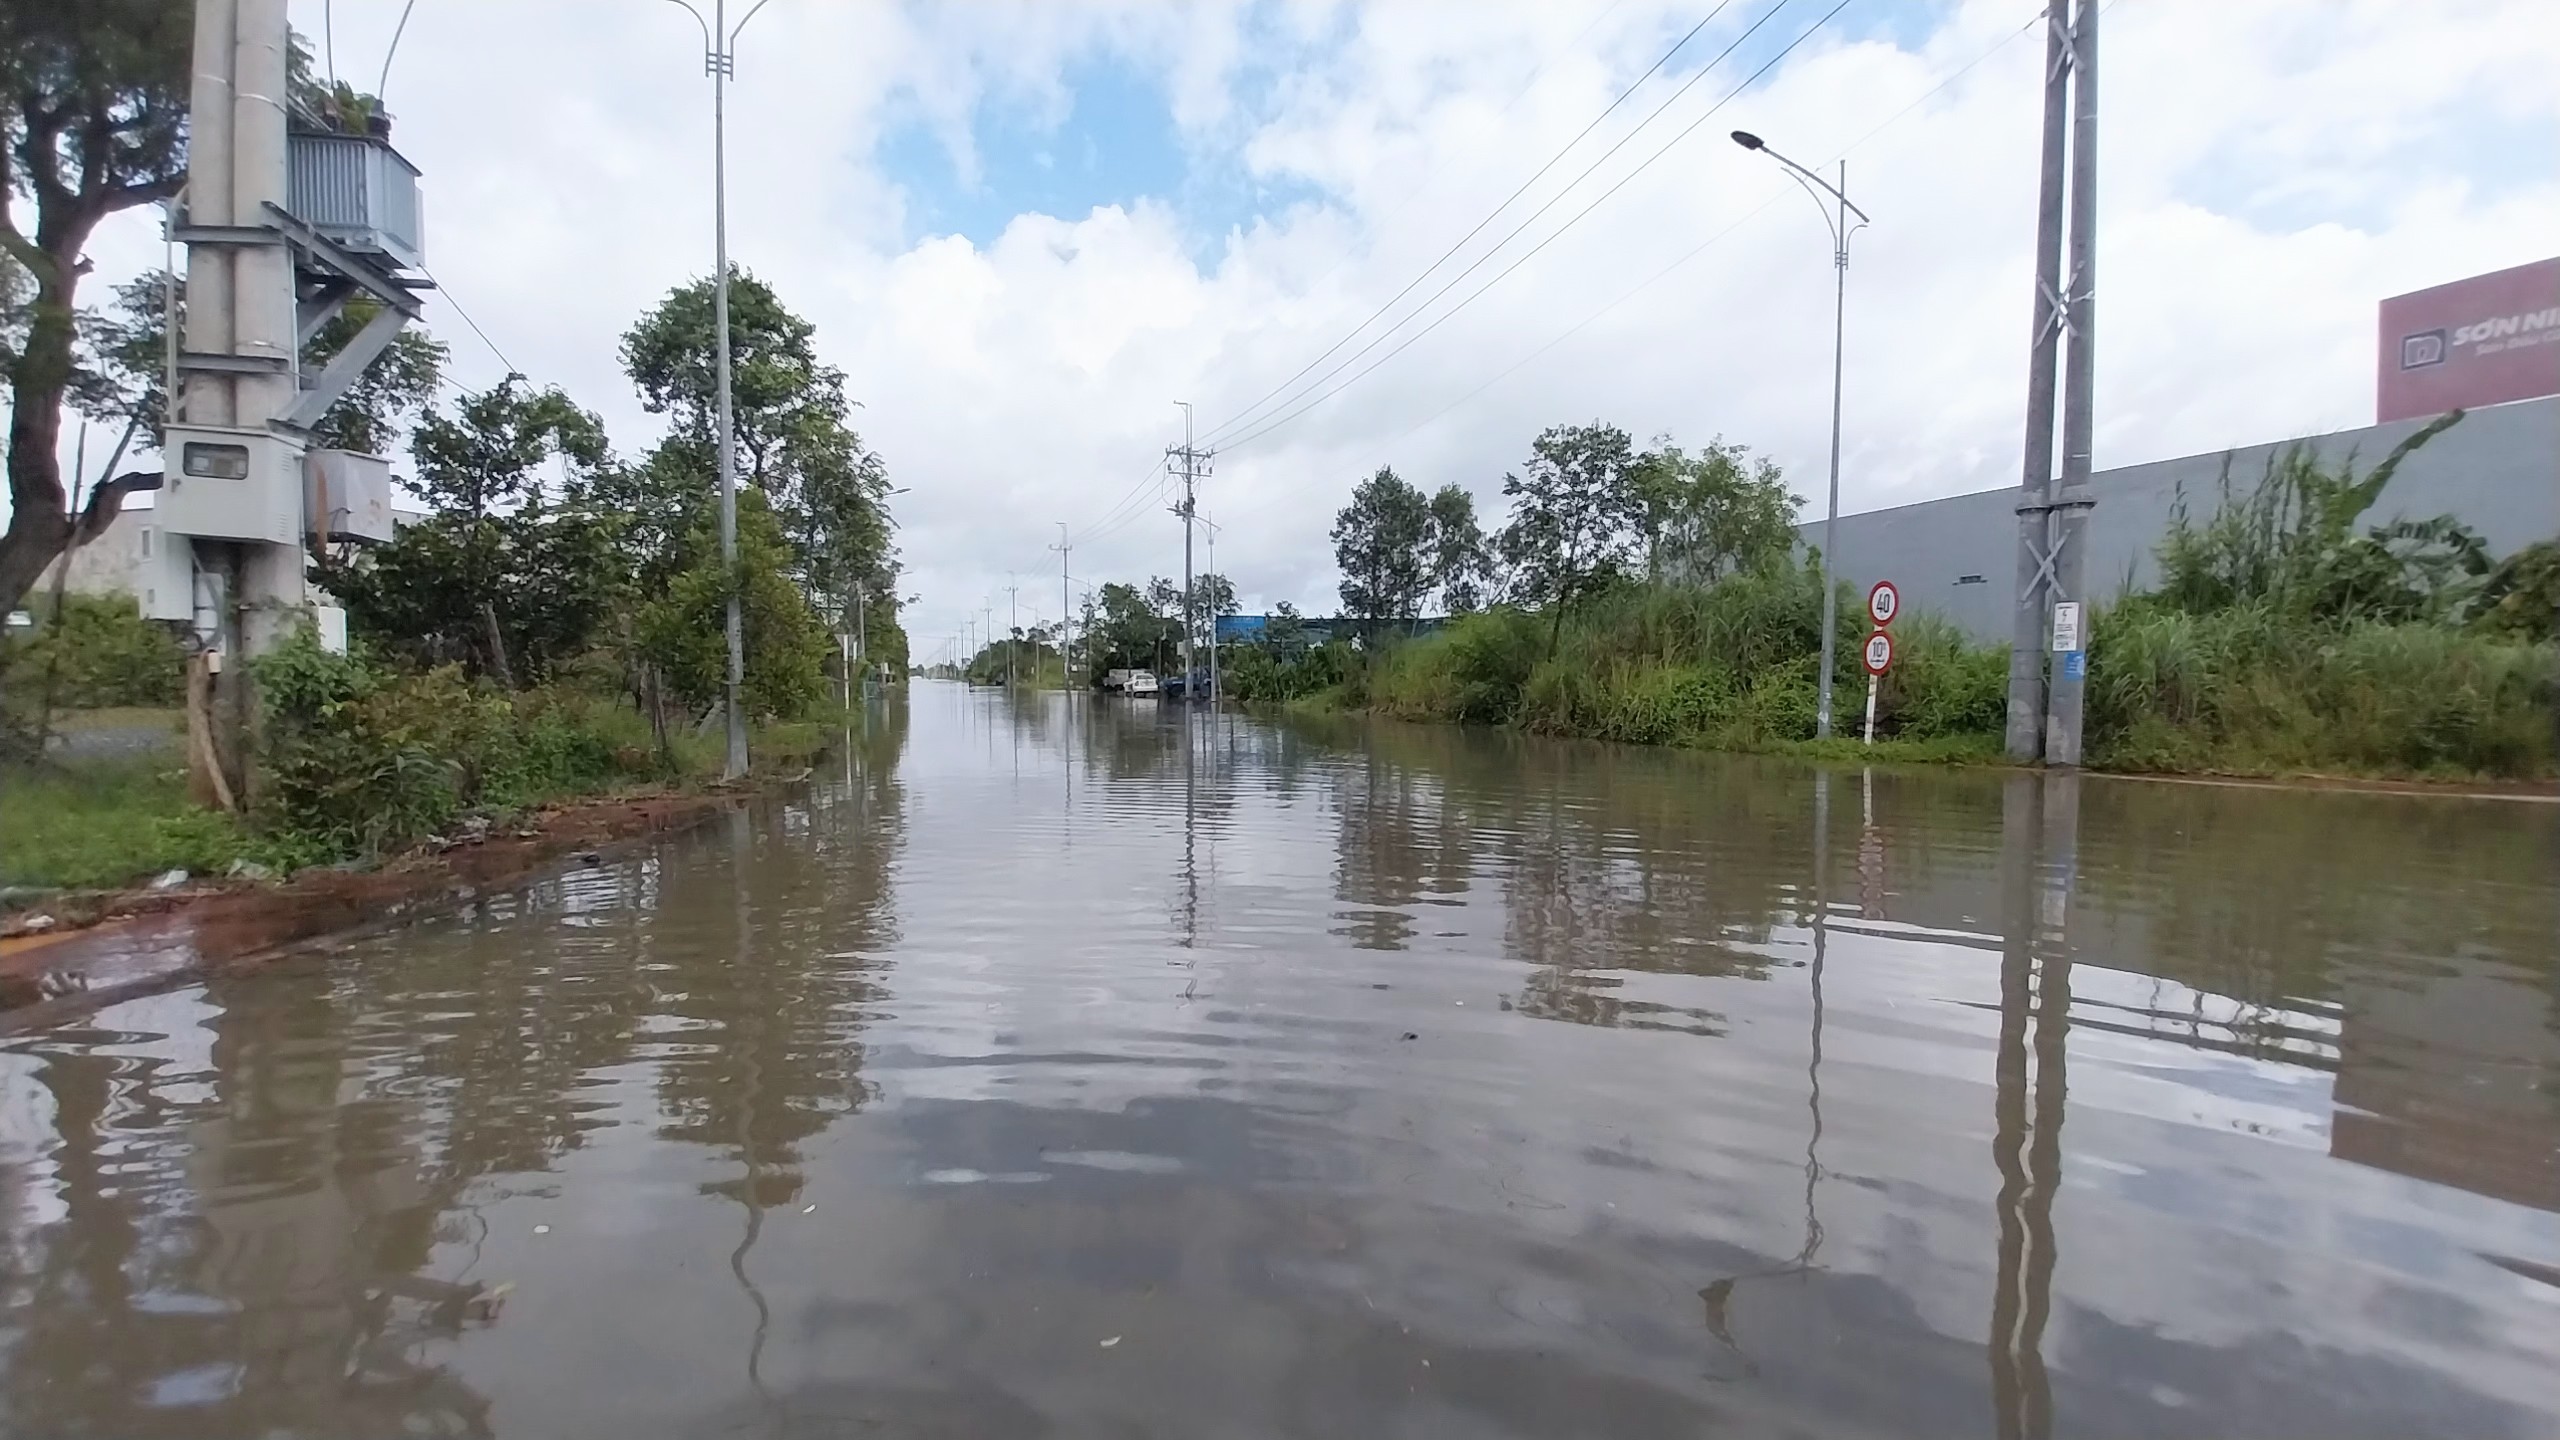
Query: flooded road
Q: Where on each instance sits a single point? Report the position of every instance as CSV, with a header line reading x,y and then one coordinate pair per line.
x,y
1043,1074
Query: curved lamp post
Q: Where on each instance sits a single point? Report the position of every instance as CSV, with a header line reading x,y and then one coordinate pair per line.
x,y
1838,223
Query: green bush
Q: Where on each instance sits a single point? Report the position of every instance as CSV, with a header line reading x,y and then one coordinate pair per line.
x,y
786,644
1942,685
357,759
1731,664
1262,674
98,652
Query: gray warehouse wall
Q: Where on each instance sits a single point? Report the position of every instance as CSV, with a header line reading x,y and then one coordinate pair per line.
x,y
2498,471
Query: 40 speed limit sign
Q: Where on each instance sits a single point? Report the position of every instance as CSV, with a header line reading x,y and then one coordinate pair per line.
x,y
1883,603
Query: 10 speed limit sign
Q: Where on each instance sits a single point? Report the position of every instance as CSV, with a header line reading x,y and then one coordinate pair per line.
x,y
1879,653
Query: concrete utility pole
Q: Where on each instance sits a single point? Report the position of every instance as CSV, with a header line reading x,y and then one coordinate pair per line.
x,y
1013,597
240,357
720,61
2044,719
1061,547
1192,459
235,503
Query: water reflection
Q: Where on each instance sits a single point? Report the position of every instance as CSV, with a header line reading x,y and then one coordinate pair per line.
x,y
1053,1066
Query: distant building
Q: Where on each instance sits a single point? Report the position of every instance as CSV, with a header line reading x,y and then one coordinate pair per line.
x,y
2497,471
2489,345
122,560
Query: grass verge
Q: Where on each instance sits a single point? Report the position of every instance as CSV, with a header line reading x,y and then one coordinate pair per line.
x,y
108,821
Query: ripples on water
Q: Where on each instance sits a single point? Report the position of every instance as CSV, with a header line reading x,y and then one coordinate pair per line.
x,y
1039,1073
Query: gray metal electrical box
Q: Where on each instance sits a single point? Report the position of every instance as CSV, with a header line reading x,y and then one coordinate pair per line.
x,y
347,494
230,485
359,192
164,570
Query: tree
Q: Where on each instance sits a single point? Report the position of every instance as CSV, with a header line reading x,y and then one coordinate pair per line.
x,y
1285,632
789,413
2290,544
1461,567
93,104
1573,517
1382,541
1705,516
1212,596
503,578
1126,627
786,644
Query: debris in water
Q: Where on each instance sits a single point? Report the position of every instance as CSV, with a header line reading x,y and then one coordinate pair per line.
x,y
1114,1340
169,880
541,1229
1409,1035
809,1209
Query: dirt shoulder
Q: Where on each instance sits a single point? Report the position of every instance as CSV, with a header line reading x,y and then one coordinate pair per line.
x,y
112,945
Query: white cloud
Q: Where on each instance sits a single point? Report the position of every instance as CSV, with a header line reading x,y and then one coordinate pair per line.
x,y
2271,170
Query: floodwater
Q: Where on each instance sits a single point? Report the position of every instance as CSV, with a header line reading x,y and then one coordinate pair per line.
x,y
1042,1074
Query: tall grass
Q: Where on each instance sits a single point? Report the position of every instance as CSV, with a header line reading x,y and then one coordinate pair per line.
x,y
2247,689
1733,665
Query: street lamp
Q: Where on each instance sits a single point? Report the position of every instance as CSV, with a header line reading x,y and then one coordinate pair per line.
x,y
1815,186
720,61
854,645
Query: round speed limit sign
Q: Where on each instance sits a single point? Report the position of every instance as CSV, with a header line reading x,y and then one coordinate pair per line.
x,y
1879,653
1883,603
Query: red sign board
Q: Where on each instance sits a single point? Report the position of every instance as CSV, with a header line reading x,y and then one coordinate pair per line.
x,y
1883,603
1879,656
2481,341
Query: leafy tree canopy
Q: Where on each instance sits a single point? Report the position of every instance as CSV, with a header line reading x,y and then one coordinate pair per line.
x,y
1705,516
93,101
1573,519
1382,541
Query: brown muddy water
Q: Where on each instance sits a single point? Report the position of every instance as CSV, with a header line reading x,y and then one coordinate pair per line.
x,y
1038,1074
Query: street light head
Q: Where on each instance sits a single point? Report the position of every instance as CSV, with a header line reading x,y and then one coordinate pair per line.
x,y
1747,140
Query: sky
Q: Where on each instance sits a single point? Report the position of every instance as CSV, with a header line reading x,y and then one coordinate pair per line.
x,y
1026,229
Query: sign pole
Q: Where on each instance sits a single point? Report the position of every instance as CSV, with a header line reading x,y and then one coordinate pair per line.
x,y
1884,602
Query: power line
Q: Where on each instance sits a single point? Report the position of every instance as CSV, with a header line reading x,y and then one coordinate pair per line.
x,y
1496,248
384,84
1701,247
449,299
1478,228
1124,512
1416,193
1268,426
